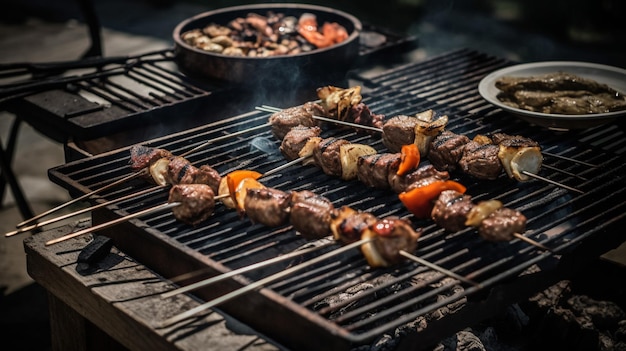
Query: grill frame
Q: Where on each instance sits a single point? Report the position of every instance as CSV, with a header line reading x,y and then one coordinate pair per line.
x,y
392,93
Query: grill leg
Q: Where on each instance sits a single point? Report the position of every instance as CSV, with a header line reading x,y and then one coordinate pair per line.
x,y
8,177
91,18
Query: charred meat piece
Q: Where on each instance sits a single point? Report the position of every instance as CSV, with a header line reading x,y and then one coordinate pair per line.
x,y
374,170
327,156
310,214
420,177
481,160
361,114
588,104
282,121
399,131
552,82
348,225
209,176
561,93
295,140
446,150
197,202
267,206
451,209
142,157
181,171
390,236
512,140
502,224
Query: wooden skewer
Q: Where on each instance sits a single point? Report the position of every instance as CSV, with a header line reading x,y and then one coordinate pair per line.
x,y
226,136
532,242
256,285
241,270
82,197
438,268
128,217
81,211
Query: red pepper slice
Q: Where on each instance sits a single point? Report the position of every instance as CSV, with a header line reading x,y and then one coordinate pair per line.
x,y
235,177
419,201
409,160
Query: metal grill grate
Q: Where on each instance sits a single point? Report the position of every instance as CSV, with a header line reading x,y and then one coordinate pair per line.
x,y
343,302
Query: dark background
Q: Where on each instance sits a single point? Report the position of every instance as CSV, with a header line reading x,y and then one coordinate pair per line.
x,y
522,30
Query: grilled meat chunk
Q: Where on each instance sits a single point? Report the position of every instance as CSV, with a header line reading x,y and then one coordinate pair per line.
x,y
451,209
399,131
310,214
142,157
420,177
283,121
374,170
209,176
481,160
552,82
197,202
361,114
562,93
181,171
391,235
295,140
512,140
327,156
348,225
267,206
446,150
502,224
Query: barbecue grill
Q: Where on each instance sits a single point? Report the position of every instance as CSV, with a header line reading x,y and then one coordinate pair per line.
x,y
342,303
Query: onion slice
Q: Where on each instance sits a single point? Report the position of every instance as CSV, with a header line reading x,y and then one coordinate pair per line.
x,y
517,160
349,155
426,129
481,211
158,171
307,150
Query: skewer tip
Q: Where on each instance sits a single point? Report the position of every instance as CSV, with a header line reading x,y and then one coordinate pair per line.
x,y
532,242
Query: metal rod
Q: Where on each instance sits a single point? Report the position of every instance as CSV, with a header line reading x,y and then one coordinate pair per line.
x,y
241,270
438,268
564,172
81,211
286,165
82,197
161,207
355,125
201,146
532,242
256,285
552,182
570,159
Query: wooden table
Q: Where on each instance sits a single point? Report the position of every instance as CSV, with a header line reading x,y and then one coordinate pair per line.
x,y
112,305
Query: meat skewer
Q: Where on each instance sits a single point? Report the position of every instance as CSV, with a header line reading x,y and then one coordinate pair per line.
x,y
381,170
383,242
522,156
163,169
137,174
359,116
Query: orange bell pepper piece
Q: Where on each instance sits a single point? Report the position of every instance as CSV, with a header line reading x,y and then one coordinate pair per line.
x,y
235,177
420,201
409,160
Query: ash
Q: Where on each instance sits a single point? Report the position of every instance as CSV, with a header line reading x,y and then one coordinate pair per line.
x,y
584,313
